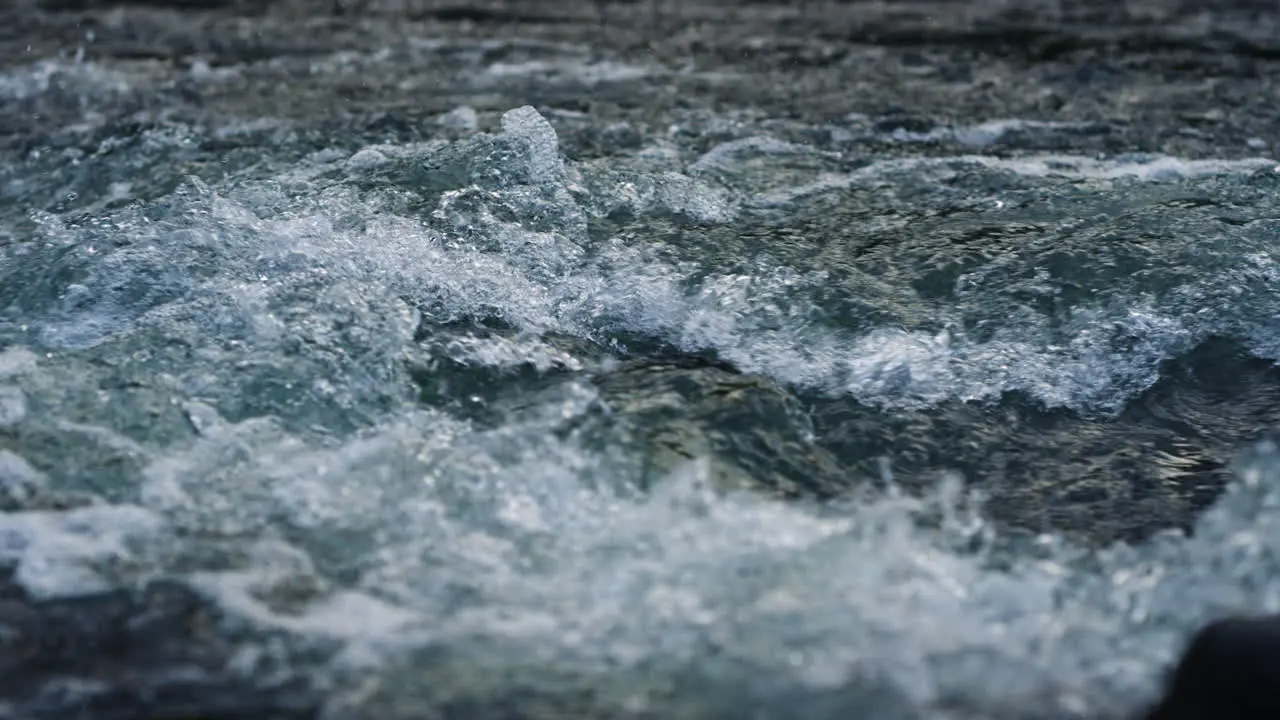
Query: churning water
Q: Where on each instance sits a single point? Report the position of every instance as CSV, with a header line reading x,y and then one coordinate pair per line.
x,y
474,426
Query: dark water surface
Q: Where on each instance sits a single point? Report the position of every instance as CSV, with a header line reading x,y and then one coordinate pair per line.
x,y
631,360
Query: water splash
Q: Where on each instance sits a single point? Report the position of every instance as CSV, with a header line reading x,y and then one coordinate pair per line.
x,y
280,311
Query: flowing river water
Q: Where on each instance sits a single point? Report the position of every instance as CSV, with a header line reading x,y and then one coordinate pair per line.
x,y
478,369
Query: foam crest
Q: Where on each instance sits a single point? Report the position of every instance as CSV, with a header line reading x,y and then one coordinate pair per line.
x,y
328,258
818,601
78,552
49,76
510,547
545,165
525,538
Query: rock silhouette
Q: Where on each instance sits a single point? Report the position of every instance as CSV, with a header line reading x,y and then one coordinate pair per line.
x,y
1230,670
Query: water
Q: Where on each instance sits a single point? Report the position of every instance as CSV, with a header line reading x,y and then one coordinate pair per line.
x,y
733,416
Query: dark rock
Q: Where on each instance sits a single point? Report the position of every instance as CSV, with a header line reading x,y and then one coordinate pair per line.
x,y
755,433
153,652
1159,463
1229,671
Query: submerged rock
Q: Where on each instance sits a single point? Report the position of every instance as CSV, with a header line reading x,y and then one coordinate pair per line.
x,y
754,433
1156,465
158,651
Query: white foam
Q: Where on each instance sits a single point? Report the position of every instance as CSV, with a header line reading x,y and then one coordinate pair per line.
x,y
19,481
502,352
570,70
668,193
534,533
13,406
471,259
558,564
461,118
56,75
1147,168
580,578
477,256
1142,168
365,159
16,360
77,552
986,133
514,533
276,567
813,598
